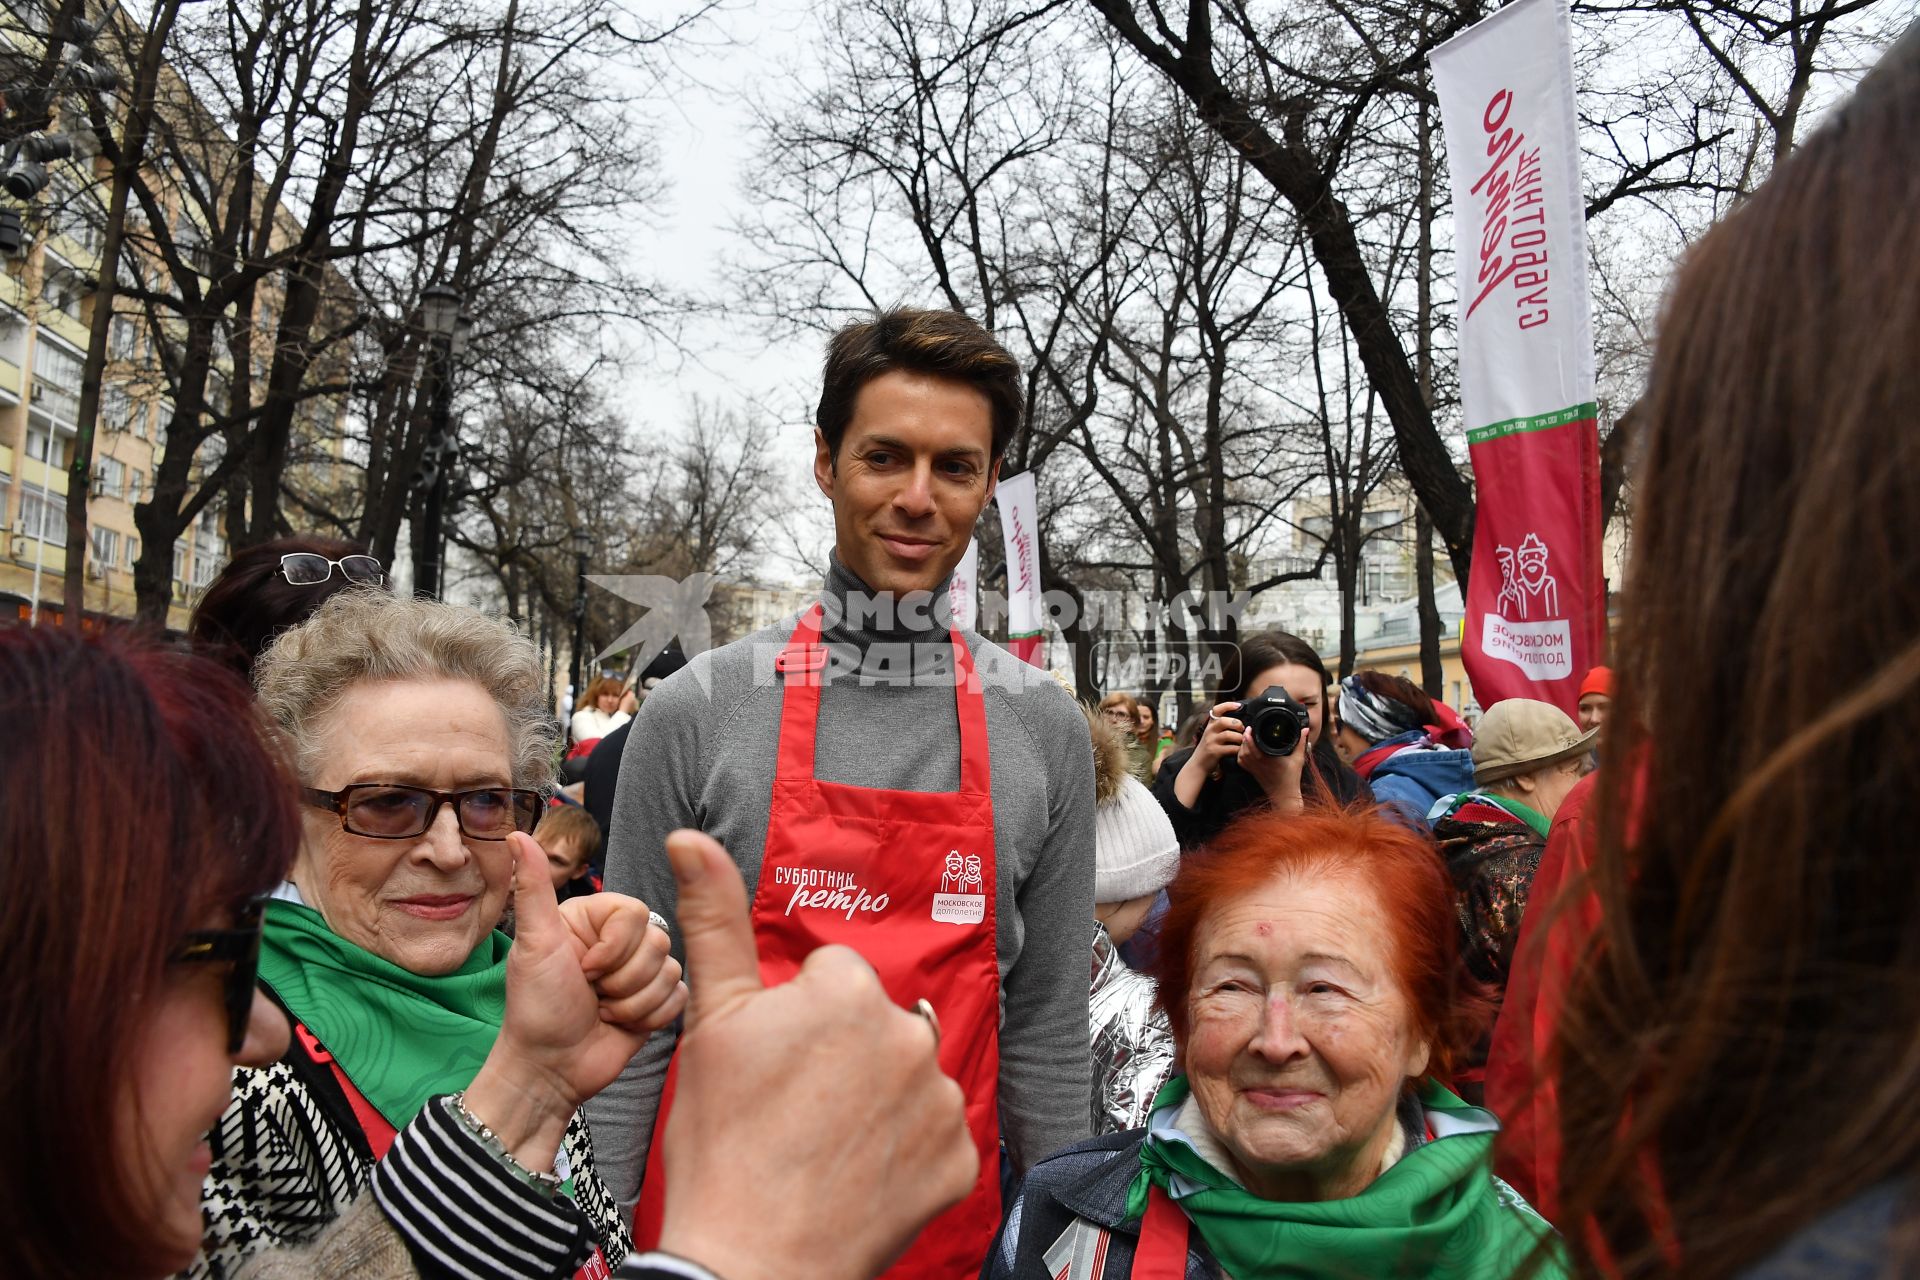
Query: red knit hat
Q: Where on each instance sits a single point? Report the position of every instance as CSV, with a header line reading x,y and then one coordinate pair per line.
x,y
1600,681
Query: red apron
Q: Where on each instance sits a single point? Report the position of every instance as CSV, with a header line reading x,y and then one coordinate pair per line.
x,y
906,878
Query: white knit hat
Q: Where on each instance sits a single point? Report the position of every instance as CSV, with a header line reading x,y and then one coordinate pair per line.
x,y
1135,852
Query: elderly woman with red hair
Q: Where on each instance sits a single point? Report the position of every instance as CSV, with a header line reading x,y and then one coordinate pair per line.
x,y
1310,976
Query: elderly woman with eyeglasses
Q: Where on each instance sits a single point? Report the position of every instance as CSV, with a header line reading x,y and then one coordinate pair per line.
x,y
421,740
137,866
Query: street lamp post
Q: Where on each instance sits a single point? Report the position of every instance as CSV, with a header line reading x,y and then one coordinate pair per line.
x,y
447,331
582,548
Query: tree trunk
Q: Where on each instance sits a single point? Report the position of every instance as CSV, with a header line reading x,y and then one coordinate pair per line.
x,y
1298,176
176,503
1079,640
131,152
1432,678
1347,569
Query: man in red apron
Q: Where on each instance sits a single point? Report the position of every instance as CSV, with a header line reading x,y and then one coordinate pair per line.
x,y
887,782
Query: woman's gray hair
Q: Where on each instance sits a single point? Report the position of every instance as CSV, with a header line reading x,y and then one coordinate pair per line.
x,y
374,635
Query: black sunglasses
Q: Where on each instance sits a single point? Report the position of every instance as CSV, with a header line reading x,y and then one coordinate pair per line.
x,y
397,811
238,947
306,569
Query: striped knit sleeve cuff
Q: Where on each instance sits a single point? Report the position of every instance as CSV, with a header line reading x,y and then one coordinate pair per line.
x,y
464,1213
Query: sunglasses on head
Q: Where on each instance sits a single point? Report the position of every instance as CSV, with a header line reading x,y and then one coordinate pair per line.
x,y
306,569
238,947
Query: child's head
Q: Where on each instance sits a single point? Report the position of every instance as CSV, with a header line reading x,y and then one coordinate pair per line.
x,y
571,838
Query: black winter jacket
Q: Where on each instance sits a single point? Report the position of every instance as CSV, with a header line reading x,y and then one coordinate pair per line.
x,y
1226,797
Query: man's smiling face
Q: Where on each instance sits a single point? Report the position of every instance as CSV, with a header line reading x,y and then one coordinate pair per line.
x,y
914,469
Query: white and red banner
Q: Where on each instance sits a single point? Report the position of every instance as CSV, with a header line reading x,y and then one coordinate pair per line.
x,y
963,593
1020,526
1536,602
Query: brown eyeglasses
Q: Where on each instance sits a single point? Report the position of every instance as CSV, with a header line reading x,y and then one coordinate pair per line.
x,y
396,811
239,947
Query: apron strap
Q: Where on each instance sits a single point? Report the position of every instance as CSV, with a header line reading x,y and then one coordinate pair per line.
x,y
800,665
976,765
376,1128
1162,1253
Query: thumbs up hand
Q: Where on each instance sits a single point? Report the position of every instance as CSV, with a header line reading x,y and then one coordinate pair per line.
x,y
587,980
812,1132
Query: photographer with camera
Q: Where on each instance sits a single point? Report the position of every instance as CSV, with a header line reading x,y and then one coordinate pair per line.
x,y
1264,744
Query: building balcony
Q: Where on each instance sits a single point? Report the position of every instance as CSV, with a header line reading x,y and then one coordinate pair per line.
x,y
55,402
68,327
39,477
9,382
78,243
50,556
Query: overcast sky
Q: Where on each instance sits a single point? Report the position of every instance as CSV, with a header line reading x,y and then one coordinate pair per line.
x,y
705,140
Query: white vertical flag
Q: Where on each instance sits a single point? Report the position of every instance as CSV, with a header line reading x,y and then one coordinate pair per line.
x,y
1020,524
963,596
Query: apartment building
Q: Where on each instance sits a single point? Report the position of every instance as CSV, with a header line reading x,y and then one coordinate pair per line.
x,y
46,309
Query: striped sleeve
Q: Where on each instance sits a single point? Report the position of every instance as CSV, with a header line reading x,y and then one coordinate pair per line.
x,y
465,1214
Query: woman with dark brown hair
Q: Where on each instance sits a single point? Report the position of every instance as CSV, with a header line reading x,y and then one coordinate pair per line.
x,y
1737,1060
268,588
1207,785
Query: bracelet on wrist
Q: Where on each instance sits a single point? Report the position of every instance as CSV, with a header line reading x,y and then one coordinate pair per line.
x,y
548,1183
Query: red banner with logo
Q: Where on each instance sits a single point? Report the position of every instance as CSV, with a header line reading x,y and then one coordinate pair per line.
x,y
1536,601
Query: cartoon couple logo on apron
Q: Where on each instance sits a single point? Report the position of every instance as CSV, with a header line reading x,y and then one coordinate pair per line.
x,y
906,878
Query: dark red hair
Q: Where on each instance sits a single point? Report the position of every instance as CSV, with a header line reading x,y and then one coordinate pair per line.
x,y
1402,870
139,797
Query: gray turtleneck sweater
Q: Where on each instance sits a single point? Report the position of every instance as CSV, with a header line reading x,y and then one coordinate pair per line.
x,y
701,753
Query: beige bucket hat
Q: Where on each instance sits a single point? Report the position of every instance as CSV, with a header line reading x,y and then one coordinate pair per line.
x,y
1520,735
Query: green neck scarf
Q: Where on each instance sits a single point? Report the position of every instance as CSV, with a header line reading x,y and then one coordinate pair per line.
x,y
1438,1212
1514,809
400,1037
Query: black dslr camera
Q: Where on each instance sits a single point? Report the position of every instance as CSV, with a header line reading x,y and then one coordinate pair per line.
x,y
1274,720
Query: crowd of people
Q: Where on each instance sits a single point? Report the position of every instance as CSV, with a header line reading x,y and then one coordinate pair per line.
x,y
318,968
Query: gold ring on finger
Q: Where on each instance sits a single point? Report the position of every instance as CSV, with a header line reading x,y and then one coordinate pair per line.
x,y
924,1008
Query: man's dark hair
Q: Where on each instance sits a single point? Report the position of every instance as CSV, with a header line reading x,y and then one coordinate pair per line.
x,y
943,344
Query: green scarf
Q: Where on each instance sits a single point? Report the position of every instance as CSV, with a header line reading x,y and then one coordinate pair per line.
x,y
400,1037
1514,809
1439,1212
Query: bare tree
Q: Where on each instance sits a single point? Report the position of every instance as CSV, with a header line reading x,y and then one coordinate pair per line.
x,y
313,167
1307,94
125,165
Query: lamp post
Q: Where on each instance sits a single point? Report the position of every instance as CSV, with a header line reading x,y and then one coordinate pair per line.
x,y
448,331
582,548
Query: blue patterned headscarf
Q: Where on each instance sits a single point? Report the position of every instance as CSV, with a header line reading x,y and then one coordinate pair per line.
x,y
1372,716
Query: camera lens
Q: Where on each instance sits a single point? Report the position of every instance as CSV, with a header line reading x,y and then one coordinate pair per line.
x,y
1274,734
1274,721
